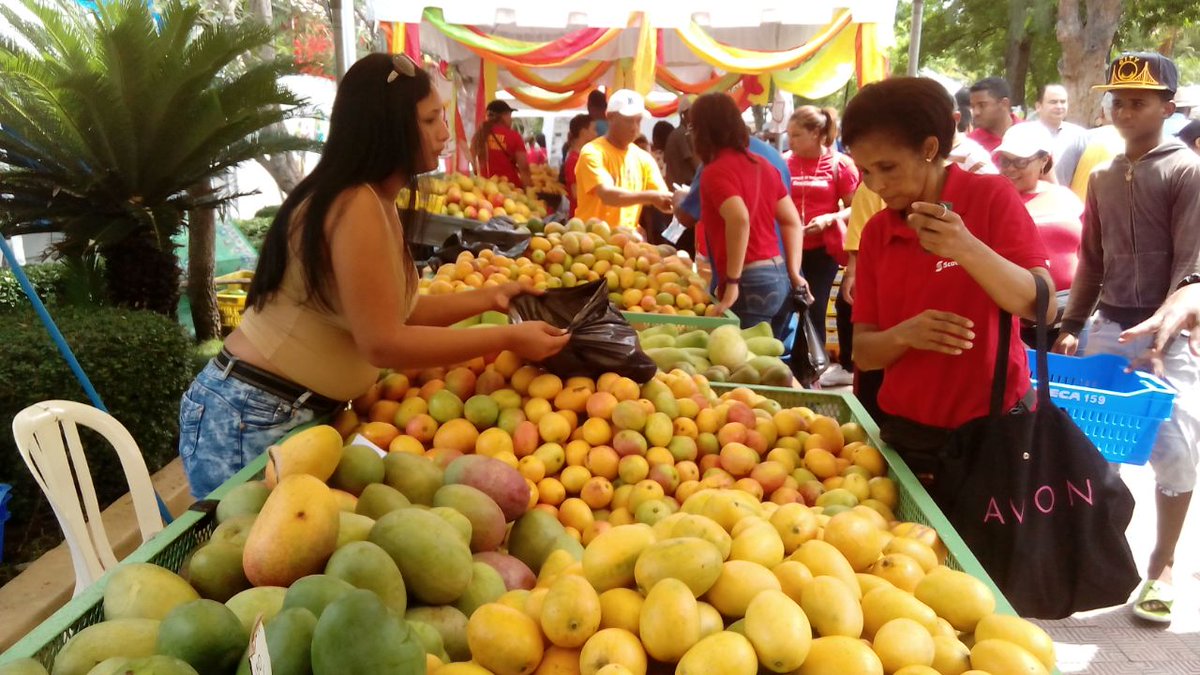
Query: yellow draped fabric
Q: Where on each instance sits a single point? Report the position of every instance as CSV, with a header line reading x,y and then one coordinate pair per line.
x,y
737,60
824,75
642,72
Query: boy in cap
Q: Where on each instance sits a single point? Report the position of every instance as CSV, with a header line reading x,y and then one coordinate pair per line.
x,y
614,178
1141,240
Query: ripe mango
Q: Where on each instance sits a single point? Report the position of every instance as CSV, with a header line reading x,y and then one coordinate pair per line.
x,y
435,563
727,652
516,574
694,561
957,597
315,451
504,484
294,534
832,608
609,560
779,631
358,635
1002,656
670,620
487,520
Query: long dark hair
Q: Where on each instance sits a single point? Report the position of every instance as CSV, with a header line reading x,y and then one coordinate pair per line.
x,y
717,125
374,133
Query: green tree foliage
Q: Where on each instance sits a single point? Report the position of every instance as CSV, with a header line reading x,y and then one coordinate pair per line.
x,y
114,114
969,39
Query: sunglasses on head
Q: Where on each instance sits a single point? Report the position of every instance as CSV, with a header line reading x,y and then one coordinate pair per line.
x,y
402,64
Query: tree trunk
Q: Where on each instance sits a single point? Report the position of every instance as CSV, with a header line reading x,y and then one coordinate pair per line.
x,y
285,167
1020,44
1086,43
202,244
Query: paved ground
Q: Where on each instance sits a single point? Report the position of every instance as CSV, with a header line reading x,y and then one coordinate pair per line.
x,y
1114,641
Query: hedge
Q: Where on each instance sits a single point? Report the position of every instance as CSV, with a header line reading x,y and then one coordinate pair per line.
x,y
48,281
140,363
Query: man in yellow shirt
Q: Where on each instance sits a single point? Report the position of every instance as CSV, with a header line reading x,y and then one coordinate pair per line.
x,y
614,177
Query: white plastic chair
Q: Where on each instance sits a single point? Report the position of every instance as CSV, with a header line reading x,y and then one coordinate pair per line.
x,y
61,470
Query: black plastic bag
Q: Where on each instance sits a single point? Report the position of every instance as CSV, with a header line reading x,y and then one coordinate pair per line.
x,y
808,359
498,234
602,341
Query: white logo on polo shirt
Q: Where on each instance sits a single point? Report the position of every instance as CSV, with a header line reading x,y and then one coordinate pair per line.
x,y
945,265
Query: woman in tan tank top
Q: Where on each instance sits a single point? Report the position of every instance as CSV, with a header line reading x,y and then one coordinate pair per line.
x,y
334,299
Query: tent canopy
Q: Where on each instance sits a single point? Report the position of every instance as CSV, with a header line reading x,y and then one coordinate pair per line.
x,y
537,14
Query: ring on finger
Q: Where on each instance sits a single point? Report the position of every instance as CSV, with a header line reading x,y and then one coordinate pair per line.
x,y
944,211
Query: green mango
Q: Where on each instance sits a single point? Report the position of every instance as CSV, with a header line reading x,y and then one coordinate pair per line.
x,y
761,330
696,338
666,358
657,341
765,346
359,635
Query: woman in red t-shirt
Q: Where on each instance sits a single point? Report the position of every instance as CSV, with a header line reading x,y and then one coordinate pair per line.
x,y
581,132
741,197
934,270
497,150
823,183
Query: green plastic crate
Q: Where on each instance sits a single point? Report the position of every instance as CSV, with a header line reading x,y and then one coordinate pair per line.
x,y
640,320
169,548
915,504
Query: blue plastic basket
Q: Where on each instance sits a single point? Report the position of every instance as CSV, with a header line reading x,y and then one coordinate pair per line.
x,y
5,495
1119,411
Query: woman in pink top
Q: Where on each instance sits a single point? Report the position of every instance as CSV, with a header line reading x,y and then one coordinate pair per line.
x,y
1024,158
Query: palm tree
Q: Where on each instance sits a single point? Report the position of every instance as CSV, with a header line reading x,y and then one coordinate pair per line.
x,y
114,121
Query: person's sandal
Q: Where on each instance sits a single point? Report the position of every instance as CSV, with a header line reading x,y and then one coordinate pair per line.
x,y
1154,602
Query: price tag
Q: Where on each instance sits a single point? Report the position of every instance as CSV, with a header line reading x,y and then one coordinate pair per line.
x,y
359,439
260,660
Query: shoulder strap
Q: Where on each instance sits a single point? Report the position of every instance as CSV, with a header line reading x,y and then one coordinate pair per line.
x,y
1000,372
382,209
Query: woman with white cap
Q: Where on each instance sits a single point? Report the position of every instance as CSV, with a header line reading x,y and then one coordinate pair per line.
x,y
1024,158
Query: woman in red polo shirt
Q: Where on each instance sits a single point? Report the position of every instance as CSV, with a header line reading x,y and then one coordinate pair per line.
x,y
741,198
934,269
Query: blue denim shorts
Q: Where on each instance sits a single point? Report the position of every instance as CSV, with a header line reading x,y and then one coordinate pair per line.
x,y
224,424
764,295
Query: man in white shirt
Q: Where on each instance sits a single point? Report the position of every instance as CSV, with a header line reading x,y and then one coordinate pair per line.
x,y
1069,139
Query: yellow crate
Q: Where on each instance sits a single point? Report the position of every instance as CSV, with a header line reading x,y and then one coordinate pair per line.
x,y
231,306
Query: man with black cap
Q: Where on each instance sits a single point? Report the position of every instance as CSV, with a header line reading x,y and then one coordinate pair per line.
x,y
1141,241
497,150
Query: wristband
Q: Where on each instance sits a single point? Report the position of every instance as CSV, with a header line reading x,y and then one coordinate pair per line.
x,y
733,281
1188,281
